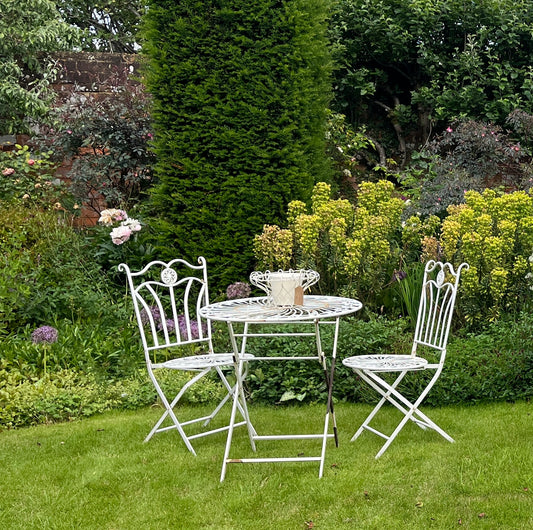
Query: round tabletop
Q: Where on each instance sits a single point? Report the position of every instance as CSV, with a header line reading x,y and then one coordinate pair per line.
x,y
261,310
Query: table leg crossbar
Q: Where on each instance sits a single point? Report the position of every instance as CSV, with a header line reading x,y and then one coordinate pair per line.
x,y
239,402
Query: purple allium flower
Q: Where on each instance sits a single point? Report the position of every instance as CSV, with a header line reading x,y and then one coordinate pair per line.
x,y
195,331
156,315
182,326
238,290
171,325
44,334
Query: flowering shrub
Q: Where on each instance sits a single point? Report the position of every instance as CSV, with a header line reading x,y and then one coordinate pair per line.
x,y
122,233
273,248
372,250
29,177
355,249
108,140
44,335
315,240
493,233
471,156
419,238
171,323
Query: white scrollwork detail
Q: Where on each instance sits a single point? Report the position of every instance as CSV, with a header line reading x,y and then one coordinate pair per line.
x,y
169,276
261,310
440,278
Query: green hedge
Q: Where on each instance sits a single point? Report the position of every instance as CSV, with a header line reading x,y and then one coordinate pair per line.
x,y
494,365
240,92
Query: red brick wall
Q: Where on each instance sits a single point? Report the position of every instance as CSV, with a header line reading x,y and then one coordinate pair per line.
x,y
91,72
94,74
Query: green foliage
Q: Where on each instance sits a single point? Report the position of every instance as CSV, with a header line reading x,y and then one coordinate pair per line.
x,y
493,233
419,238
48,272
407,289
240,93
355,250
96,345
67,395
108,140
494,365
471,156
404,67
109,25
28,31
29,178
347,148
297,381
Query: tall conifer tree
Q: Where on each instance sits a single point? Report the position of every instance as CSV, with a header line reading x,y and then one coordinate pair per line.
x,y
240,90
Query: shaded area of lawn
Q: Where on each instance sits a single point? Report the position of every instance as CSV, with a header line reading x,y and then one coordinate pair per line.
x,y
97,473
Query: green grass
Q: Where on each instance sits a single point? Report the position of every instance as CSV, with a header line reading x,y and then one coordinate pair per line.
x,y
98,473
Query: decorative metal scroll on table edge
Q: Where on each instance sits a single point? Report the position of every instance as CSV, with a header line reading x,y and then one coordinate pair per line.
x,y
261,310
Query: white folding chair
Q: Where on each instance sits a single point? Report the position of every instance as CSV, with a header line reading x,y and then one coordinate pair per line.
x,y
167,298
437,302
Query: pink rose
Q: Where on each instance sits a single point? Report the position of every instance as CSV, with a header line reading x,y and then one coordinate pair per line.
x,y
449,129
120,234
31,161
8,171
120,215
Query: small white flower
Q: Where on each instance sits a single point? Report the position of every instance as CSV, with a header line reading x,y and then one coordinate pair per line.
x,y
132,224
531,258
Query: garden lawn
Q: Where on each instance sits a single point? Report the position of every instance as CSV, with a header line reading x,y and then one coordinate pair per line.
x,y
98,473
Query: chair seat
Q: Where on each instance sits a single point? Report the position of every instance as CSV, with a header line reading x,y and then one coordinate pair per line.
x,y
385,363
200,362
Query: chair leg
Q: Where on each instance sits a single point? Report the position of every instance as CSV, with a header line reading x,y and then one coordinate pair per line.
x,y
384,399
408,409
169,409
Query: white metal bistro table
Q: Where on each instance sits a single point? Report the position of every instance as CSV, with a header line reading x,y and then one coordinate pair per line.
x,y
251,312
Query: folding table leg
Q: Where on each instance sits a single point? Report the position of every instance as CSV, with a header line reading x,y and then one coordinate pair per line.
x,y
238,394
